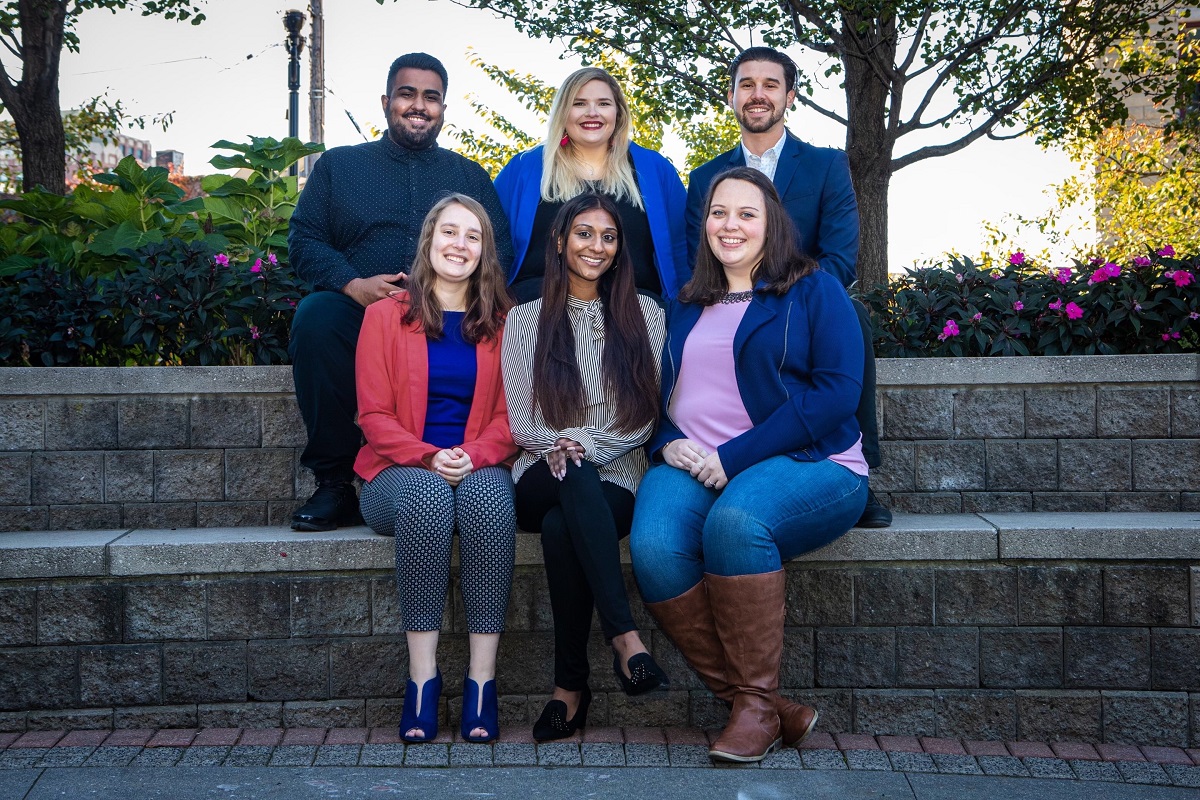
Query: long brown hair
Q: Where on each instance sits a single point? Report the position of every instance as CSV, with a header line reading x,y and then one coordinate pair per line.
x,y
629,367
783,263
488,299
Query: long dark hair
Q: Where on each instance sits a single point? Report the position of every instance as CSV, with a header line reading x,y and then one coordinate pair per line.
x,y
629,367
783,263
488,299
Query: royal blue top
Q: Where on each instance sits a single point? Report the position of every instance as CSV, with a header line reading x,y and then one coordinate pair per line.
x,y
451,384
519,185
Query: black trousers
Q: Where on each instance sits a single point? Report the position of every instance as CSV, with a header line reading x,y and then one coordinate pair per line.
x,y
324,338
581,518
865,414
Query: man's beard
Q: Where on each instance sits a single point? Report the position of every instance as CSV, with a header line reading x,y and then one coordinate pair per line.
x,y
759,127
415,140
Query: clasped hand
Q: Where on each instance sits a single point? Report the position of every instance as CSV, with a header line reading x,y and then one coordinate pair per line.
x,y
702,465
367,290
556,457
453,464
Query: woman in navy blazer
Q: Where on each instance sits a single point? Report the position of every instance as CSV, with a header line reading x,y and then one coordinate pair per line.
x,y
588,147
759,455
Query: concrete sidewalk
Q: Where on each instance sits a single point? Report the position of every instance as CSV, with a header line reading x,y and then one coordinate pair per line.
x,y
604,762
620,783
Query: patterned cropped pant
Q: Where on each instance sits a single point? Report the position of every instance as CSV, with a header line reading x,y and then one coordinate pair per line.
x,y
422,511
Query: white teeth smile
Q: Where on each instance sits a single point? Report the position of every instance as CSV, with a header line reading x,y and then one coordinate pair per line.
x,y
728,241
595,262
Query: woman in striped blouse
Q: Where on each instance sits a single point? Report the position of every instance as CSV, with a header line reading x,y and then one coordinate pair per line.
x,y
581,376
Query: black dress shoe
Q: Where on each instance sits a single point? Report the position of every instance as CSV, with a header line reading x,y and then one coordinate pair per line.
x,y
332,505
553,723
875,515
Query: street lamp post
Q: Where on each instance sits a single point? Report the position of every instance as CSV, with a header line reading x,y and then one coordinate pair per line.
x,y
293,21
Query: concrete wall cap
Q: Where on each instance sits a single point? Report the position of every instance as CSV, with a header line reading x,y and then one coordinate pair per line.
x,y
54,554
893,372
1098,536
1032,370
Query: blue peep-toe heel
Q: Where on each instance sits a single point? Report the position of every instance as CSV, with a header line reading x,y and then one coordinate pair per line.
x,y
427,720
488,716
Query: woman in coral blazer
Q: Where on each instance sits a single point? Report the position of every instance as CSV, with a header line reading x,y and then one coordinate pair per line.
x,y
431,405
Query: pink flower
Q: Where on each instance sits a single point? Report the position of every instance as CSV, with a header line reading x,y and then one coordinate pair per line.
x,y
1095,261
1141,261
1182,278
221,259
257,265
1109,270
291,303
254,334
1166,250
1166,337
1017,259
997,274
1055,305
1074,311
978,316
1063,275
1017,306
958,276
951,329
1194,315
274,262
1175,334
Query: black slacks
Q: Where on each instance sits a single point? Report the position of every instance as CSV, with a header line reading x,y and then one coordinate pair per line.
x,y
581,518
865,414
324,338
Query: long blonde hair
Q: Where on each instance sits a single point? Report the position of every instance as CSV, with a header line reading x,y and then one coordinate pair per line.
x,y
560,168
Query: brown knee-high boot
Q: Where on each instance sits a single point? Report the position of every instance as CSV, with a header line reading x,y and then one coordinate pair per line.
x,y
748,612
687,621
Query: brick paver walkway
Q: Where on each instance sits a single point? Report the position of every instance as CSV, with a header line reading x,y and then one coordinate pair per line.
x,y
609,747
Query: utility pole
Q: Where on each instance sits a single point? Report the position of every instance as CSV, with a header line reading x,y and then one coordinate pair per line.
x,y
293,22
316,81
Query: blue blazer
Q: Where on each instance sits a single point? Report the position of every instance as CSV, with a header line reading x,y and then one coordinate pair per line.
x,y
519,185
814,184
798,359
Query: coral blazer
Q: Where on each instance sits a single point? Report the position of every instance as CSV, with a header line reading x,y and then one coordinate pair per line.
x,y
392,377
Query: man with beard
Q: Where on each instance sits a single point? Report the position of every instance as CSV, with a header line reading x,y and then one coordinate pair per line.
x,y
814,185
353,237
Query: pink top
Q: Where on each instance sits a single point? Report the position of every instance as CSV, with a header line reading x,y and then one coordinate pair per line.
x,y
706,403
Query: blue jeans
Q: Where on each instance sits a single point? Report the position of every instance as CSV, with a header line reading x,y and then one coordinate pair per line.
x,y
769,513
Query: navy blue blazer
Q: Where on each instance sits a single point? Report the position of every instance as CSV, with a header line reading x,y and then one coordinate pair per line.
x,y
814,184
798,358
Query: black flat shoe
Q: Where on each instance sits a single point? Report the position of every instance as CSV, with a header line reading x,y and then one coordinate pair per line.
x,y
553,723
332,505
644,675
875,515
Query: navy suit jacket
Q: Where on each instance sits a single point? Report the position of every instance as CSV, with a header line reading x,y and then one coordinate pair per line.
x,y
814,184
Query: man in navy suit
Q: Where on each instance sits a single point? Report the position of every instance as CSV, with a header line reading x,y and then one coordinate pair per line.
x,y
814,184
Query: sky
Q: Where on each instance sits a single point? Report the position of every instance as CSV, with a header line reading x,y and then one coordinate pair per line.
x,y
227,79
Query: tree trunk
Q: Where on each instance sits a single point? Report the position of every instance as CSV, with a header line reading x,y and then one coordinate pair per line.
x,y
33,102
869,146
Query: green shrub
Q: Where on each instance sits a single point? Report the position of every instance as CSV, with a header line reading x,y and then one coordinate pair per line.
x,y
1148,306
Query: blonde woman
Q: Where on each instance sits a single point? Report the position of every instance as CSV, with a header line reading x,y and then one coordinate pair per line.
x,y
588,147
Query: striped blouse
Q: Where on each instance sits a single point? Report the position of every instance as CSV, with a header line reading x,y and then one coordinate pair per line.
x,y
618,456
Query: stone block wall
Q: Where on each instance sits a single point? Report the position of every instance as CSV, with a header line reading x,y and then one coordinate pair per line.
x,y
149,447
1046,651
1077,434
177,447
